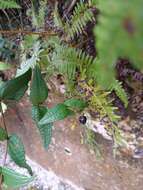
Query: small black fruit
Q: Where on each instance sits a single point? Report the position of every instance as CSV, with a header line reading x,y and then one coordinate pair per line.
x,y
82,119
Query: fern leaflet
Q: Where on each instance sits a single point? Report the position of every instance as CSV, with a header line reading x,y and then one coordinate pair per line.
x,y
120,92
8,4
81,16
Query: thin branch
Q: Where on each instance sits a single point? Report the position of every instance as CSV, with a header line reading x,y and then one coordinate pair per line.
x,y
25,32
9,21
5,155
71,6
5,127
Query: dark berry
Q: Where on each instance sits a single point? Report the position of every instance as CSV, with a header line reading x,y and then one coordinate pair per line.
x,y
82,119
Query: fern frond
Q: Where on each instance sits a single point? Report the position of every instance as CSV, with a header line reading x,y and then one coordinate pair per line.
x,y
90,139
120,92
57,19
85,60
66,59
81,16
41,13
100,101
8,4
38,16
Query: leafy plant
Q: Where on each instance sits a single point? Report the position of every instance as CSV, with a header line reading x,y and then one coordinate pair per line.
x,y
67,60
14,89
89,80
82,14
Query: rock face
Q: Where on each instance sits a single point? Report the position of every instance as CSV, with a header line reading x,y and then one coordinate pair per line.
x,y
68,158
43,179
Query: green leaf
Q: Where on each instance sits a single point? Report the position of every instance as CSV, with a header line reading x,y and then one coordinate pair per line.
x,y
17,152
29,40
59,112
4,66
46,133
82,14
3,134
39,90
38,112
75,104
32,61
19,94
8,4
45,130
13,179
15,88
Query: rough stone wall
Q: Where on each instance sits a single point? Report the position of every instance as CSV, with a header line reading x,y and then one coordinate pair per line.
x,y
78,166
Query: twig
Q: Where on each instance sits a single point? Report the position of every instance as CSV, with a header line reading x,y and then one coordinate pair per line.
x,y
7,17
71,6
5,155
43,33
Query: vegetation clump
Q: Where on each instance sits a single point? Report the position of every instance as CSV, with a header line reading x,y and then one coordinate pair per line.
x,y
95,45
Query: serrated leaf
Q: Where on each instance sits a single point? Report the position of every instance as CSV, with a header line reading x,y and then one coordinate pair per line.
x,y
39,90
59,112
38,112
17,152
45,130
3,134
75,104
15,88
46,133
13,179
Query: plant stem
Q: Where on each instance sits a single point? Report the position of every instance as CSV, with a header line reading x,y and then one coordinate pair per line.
x,y
71,6
5,155
25,32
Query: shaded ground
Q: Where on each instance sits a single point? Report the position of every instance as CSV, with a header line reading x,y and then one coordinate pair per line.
x,y
70,159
